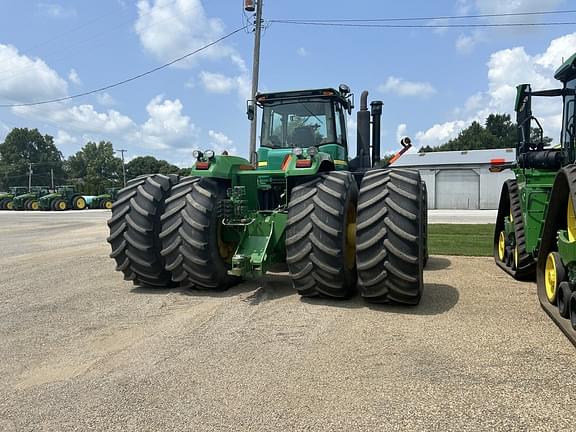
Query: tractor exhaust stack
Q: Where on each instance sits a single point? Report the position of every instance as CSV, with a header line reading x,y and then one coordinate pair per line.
x,y
363,133
376,108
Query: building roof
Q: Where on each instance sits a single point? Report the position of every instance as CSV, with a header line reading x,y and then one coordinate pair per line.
x,y
465,157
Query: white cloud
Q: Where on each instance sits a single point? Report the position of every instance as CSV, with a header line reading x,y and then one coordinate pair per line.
x,y
168,29
220,142
302,52
105,99
401,131
219,83
63,139
403,87
506,69
54,10
74,78
32,80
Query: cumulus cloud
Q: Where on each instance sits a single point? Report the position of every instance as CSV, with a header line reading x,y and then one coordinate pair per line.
x,y
223,84
105,99
31,80
506,69
401,131
403,87
220,142
74,78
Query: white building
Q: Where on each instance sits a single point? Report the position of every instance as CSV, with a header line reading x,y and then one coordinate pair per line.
x,y
460,179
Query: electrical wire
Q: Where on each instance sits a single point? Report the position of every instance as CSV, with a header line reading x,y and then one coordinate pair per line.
x,y
127,80
344,24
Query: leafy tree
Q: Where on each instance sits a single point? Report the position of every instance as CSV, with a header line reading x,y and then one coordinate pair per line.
x,y
149,165
23,146
95,168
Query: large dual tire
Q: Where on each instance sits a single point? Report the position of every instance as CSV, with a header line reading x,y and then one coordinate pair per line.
x,y
320,236
79,203
191,235
3,203
390,236
135,227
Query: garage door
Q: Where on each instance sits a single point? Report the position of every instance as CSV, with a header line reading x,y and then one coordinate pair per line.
x,y
457,189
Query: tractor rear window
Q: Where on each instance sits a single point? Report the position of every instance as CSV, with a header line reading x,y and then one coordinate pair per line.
x,y
299,124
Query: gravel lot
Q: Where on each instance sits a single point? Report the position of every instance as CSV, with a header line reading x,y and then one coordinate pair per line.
x,y
81,349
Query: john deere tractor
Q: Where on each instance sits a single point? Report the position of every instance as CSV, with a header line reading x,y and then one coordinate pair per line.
x,y
7,197
536,224
103,201
340,225
64,198
29,200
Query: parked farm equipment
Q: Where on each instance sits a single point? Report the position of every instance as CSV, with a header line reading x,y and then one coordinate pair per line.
x,y
103,201
339,225
29,200
536,223
64,198
6,198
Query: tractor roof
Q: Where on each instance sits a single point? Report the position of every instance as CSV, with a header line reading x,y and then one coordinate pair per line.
x,y
271,97
567,71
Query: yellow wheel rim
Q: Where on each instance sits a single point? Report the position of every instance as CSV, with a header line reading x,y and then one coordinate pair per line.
x,y
550,278
34,205
10,206
350,241
108,205
501,245
571,220
80,203
62,205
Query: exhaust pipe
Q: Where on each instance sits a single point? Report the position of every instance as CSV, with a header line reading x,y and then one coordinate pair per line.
x,y
376,109
363,132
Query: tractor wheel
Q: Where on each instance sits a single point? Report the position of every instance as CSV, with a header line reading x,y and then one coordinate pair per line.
x,y
34,205
512,257
106,204
135,227
79,203
28,205
3,203
572,307
563,299
321,235
390,232
60,205
425,222
191,239
555,274
10,205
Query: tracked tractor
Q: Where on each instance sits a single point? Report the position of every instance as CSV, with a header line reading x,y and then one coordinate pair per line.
x,y
535,231
29,200
6,198
338,224
63,198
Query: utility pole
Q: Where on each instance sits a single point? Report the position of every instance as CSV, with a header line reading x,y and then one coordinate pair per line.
x,y
52,177
29,176
122,151
255,73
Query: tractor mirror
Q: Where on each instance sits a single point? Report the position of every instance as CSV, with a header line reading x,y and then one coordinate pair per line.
x,y
250,110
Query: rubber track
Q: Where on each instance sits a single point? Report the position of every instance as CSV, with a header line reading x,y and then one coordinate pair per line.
x,y
189,235
526,263
135,228
390,243
315,235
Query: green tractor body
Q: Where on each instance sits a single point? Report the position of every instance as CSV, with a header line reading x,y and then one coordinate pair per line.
x,y
29,200
6,198
64,198
337,223
103,201
535,231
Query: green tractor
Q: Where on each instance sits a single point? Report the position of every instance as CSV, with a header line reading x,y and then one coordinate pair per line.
x,y
340,225
6,198
64,198
103,201
535,231
29,200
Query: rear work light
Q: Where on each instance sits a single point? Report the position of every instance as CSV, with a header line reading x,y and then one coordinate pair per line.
x,y
303,163
202,165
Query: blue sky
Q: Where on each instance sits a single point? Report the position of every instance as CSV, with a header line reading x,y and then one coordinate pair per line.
x,y
433,82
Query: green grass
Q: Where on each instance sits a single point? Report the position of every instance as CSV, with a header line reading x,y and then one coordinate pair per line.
x,y
467,240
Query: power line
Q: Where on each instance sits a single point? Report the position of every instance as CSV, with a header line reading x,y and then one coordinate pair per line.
x,y
127,80
344,24
430,18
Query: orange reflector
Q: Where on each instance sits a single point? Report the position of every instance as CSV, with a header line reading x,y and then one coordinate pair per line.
x,y
303,163
246,168
497,161
202,165
287,160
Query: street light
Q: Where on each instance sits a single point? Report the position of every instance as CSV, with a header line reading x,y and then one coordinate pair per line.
x,y
122,151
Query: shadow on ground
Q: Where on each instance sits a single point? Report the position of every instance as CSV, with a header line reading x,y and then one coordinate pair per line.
x,y
437,263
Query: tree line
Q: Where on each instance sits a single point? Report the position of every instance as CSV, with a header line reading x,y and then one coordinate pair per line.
x,y
92,169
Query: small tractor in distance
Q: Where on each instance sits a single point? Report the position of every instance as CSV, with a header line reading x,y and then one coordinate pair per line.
x,y
7,197
535,231
64,198
29,200
340,225
103,201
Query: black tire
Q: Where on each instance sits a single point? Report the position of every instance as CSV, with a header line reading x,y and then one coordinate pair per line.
x,y
425,223
390,244
190,230
28,205
319,252
135,227
106,204
57,203
3,203
563,299
79,203
572,307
